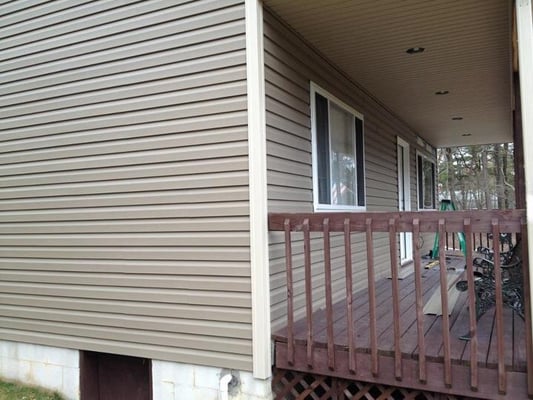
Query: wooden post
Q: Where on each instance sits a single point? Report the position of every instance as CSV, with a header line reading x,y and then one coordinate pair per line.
x,y
372,297
349,296
474,372
444,305
290,291
422,369
502,385
527,303
329,299
308,292
393,243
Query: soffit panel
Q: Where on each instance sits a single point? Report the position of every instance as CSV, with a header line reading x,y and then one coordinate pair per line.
x,y
468,53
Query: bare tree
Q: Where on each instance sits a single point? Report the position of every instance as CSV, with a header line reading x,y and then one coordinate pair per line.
x,y
477,176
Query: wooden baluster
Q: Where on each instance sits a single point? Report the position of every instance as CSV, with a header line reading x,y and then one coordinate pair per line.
x,y
329,299
474,372
393,244
422,369
352,362
444,305
453,240
290,292
308,292
502,384
372,298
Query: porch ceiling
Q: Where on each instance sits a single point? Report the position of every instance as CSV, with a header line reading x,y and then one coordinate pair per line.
x,y
467,52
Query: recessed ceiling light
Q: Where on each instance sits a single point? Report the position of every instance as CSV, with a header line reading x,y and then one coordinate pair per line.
x,y
414,50
457,118
441,92
466,134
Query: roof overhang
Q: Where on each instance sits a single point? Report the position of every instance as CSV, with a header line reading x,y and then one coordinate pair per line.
x,y
467,52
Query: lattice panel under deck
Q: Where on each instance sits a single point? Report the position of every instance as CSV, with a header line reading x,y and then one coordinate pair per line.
x,y
293,385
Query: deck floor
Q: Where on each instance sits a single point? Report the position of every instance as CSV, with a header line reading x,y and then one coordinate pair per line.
x,y
514,327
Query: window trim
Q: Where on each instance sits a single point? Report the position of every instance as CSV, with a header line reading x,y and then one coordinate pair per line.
x,y
330,97
419,184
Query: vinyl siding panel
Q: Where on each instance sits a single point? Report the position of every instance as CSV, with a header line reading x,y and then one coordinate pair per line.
x,y
124,179
290,65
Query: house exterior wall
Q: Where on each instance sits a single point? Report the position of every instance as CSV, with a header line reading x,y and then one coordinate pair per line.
x,y
290,66
124,179
56,369
175,381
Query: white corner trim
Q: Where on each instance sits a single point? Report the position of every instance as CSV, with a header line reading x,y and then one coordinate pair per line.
x,y
260,279
524,25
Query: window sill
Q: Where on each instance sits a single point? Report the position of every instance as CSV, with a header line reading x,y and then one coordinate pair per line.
x,y
334,209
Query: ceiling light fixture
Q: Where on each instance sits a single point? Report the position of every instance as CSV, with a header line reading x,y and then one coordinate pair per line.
x,y
414,50
441,92
457,118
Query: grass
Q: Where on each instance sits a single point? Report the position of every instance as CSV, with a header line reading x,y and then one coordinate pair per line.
x,y
14,391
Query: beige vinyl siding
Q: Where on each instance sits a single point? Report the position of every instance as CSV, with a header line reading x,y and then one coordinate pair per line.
x,y
290,66
124,214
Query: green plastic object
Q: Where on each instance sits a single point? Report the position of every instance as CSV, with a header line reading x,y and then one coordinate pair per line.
x,y
447,205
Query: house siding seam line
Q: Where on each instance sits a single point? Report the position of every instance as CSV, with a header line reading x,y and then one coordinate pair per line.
x,y
290,65
262,363
524,24
124,197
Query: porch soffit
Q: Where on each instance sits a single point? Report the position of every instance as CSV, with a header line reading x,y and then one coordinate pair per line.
x,y
467,52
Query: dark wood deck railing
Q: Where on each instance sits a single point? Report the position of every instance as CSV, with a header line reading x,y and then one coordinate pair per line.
x,y
474,225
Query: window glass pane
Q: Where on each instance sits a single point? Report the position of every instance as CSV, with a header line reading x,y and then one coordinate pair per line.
x,y
428,185
322,146
433,185
360,170
420,175
342,157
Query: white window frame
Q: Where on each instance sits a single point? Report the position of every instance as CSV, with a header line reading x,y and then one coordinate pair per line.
x,y
419,184
332,207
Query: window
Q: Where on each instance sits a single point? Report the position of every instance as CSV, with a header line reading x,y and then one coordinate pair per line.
x,y
338,153
426,182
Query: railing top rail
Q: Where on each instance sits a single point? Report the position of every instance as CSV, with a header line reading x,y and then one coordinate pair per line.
x,y
510,221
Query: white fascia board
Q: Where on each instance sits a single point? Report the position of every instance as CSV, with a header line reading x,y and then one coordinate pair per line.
x,y
260,278
524,25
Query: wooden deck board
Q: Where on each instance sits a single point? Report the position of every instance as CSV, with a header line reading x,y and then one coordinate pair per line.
x,y
460,328
360,310
519,344
410,344
383,313
485,327
409,329
459,323
339,311
492,356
